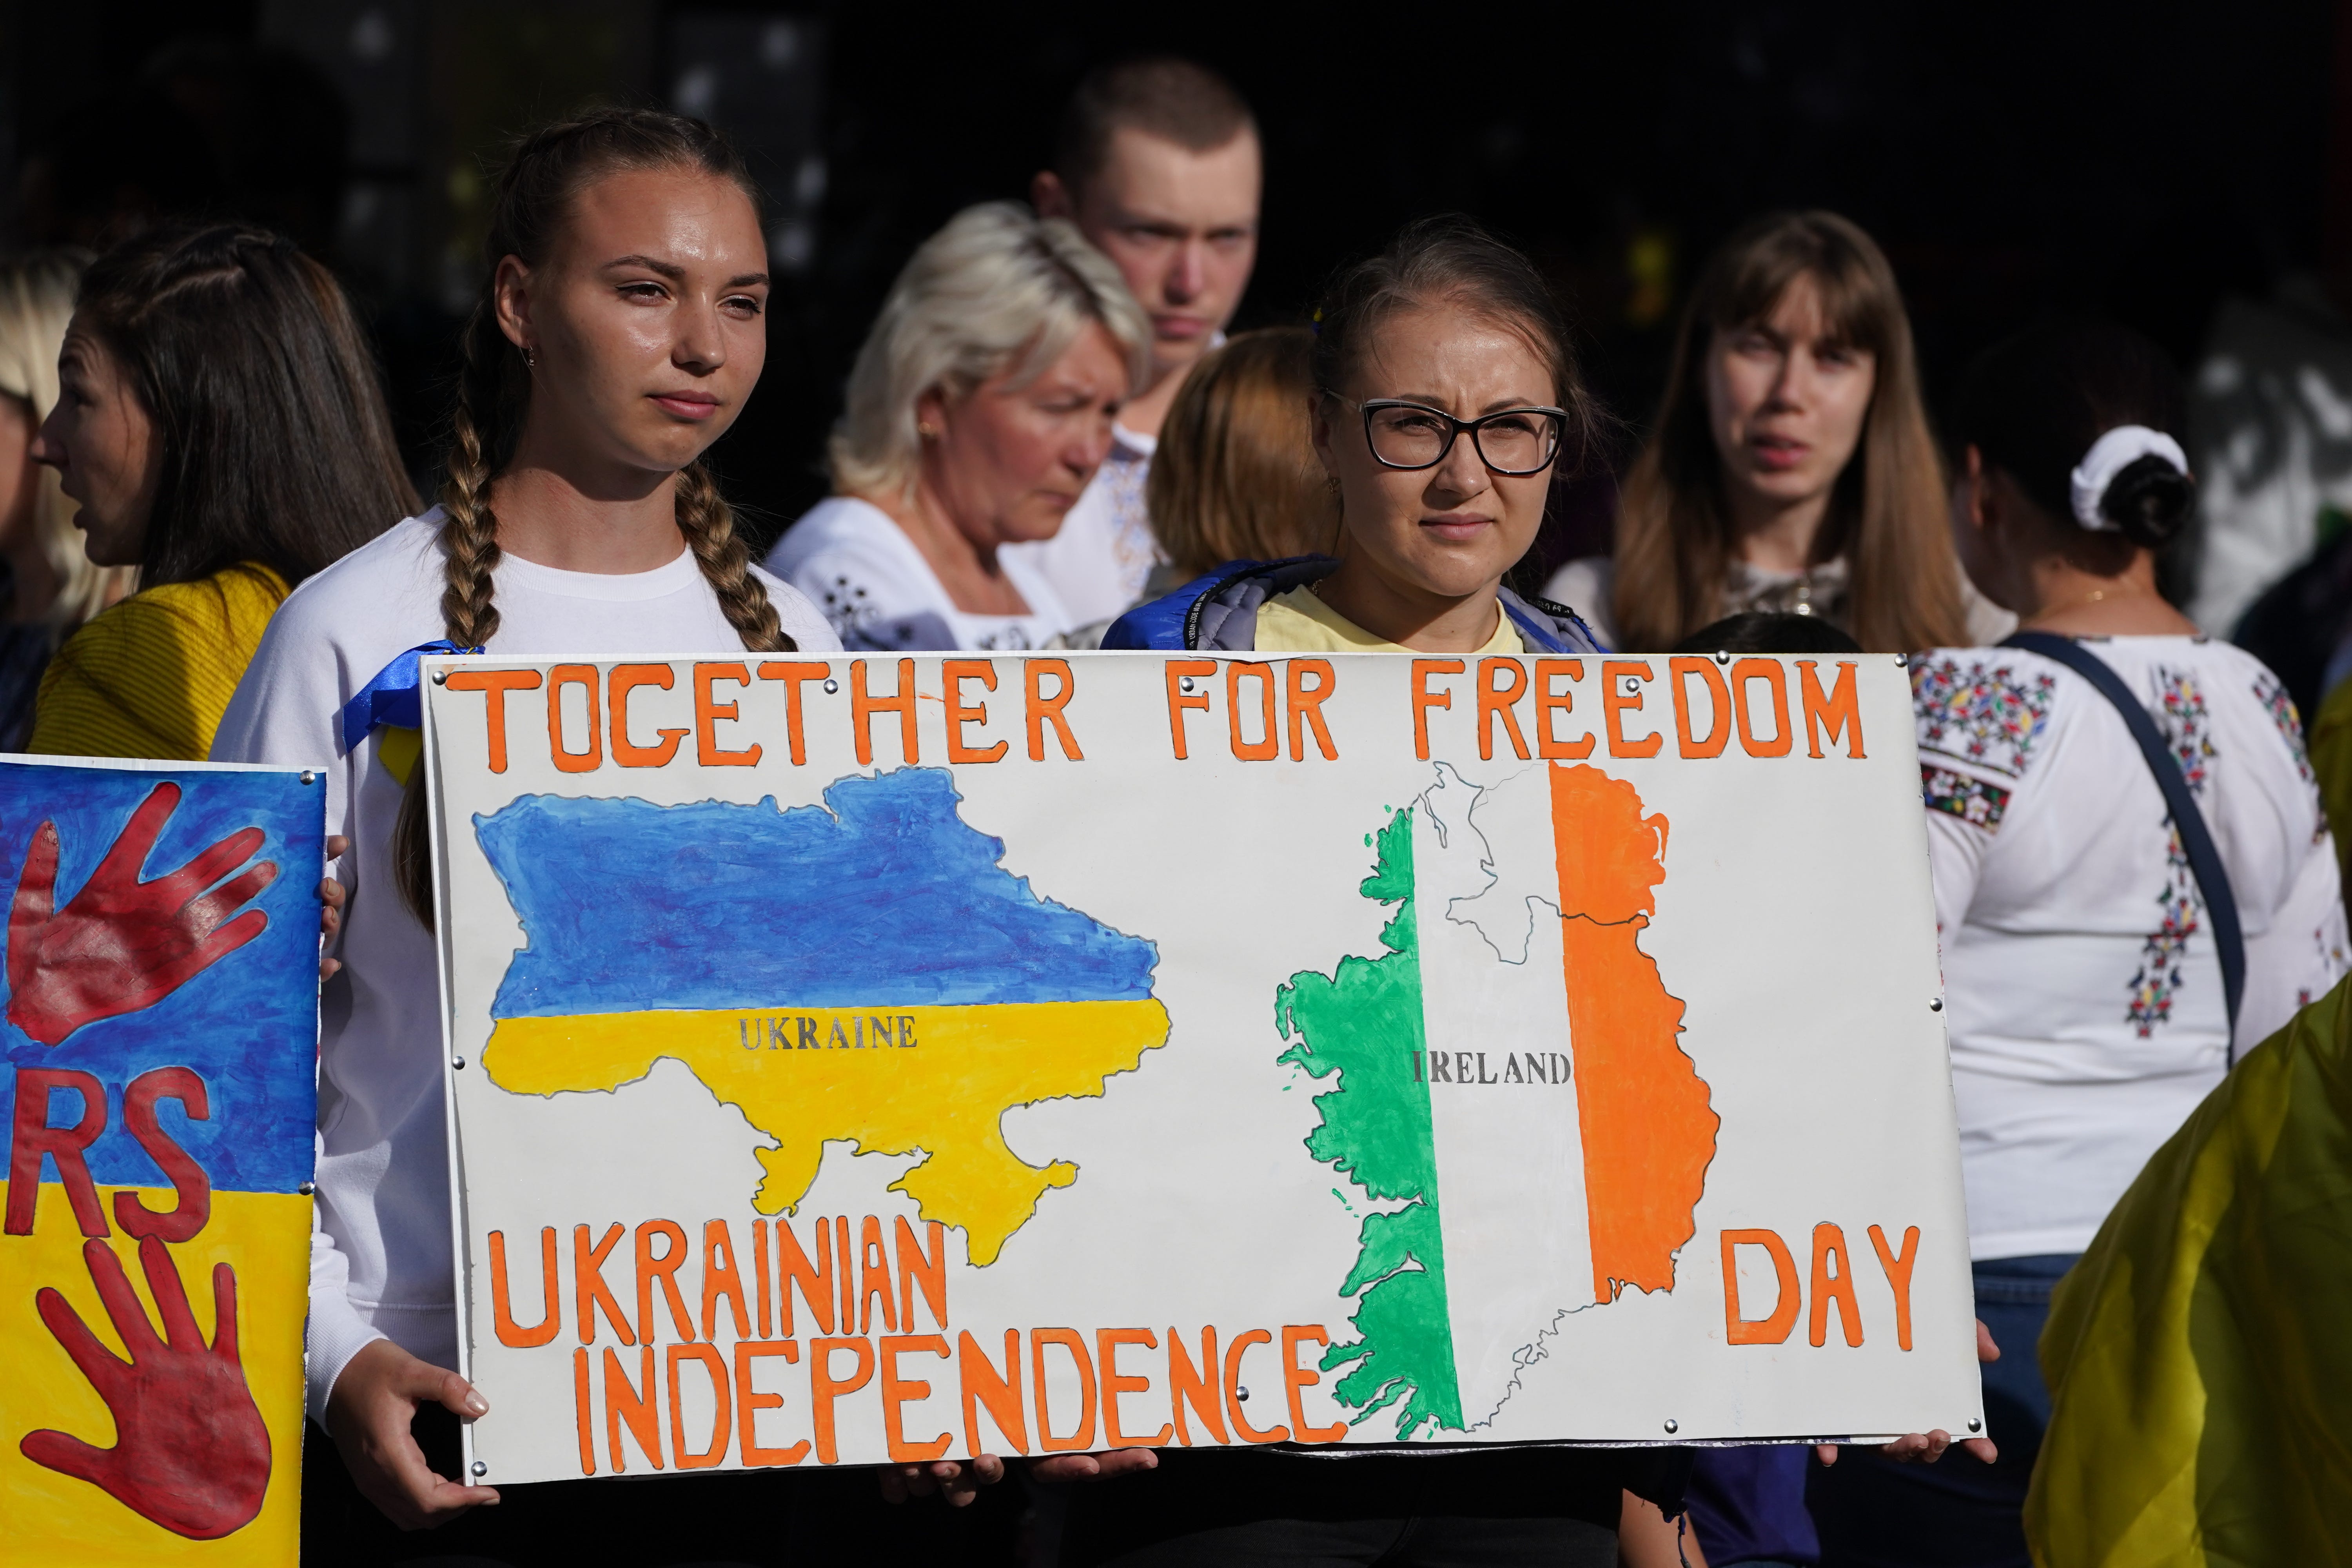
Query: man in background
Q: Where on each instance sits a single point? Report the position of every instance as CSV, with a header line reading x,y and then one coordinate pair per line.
x,y
1157,163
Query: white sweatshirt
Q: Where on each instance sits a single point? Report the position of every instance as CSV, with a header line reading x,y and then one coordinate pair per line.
x,y
381,1264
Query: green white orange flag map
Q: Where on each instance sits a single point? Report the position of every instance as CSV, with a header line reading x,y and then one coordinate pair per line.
x,y
898,1058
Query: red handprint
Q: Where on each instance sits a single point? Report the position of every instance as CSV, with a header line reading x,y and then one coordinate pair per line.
x,y
190,1452
123,944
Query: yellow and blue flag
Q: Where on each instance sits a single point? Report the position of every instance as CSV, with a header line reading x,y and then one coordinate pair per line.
x,y
2197,1357
158,1064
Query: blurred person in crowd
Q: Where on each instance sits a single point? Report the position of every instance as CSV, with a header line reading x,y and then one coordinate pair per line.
x,y
1236,476
978,411
220,423
619,330
1790,466
1444,390
2094,990
1157,162
52,584
2272,448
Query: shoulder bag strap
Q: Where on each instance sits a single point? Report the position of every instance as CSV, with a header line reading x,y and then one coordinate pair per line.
x,y
2196,841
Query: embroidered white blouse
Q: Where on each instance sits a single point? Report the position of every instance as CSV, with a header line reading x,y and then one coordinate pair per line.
x,y
2085,997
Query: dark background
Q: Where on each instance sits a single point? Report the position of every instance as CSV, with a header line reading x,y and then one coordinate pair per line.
x,y
2138,160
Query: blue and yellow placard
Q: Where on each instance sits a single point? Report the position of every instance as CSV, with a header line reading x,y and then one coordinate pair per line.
x,y
158,1083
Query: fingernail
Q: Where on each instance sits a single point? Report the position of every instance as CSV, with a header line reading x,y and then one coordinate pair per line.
x,y
476,1406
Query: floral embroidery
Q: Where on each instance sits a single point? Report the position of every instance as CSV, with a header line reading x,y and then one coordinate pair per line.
x,y
2331,963
1970,799
2162,955
2275,702
1982,714
2187,728
2185,724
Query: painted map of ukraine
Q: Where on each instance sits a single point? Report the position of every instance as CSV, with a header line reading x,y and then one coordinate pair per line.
x,y
1506,1073
863,971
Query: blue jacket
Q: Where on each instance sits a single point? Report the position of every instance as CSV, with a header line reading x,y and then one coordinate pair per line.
x,y
1218,612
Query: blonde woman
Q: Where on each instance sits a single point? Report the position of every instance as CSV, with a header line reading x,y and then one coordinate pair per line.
x,y
1790,466
977,412
53,586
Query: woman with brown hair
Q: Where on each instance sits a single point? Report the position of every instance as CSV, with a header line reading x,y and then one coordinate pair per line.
x,y
219,420
618,334
1790,466
1235,478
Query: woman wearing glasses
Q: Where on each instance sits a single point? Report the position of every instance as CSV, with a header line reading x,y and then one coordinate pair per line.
x,y
1444,391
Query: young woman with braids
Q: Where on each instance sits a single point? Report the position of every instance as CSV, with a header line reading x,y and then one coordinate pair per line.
x,y
618,334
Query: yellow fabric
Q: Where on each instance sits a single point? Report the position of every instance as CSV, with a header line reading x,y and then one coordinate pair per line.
x,y
2331,760
1298,622
2197,1358
151,676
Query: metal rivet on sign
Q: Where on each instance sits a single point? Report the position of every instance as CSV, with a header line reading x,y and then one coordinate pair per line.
x,y
440,678
1936,1004
481,1466
308,777
458,1062
306,1188
1901,662
1722,657
1186,683
1240,1393
1976,1424
1673,1425
830,686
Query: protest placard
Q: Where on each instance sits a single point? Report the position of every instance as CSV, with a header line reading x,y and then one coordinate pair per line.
x,y
865,1059
159,1091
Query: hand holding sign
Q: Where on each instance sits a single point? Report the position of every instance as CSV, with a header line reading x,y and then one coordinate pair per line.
x,y
190,1452
122,944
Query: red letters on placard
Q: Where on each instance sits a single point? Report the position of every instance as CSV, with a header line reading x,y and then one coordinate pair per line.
x,y
494,685
953,673
583,676
1838,711
1044,709
1423,698
863,707
1619,699
709,712
623,680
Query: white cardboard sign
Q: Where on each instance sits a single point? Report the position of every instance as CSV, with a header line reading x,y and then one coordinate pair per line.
x,y
865,1059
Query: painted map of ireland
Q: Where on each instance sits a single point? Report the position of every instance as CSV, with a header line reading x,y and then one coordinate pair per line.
x,y
1525,1169
863,971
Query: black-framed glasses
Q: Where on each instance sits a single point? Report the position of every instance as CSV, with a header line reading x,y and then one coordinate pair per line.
x,y
1407,434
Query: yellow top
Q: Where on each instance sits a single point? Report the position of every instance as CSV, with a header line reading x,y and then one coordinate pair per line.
x,y
151,676
1298,622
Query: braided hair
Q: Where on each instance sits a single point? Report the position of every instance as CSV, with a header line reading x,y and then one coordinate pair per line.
x,y
533,200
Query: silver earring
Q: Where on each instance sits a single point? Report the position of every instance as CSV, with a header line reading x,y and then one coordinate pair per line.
x,y
530,360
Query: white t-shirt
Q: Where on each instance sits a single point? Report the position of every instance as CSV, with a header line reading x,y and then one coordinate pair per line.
x,y
380,1263
866,576
2085,996
1106,547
